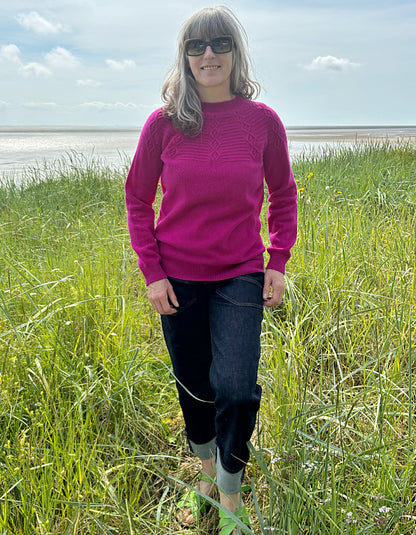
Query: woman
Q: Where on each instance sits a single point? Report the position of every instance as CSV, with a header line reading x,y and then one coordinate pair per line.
x,y
211,146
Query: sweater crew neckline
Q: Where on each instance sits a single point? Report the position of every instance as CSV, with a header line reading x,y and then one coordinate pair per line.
x,y
226,105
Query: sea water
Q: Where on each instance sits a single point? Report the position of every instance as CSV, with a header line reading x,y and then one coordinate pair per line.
x,y
24,147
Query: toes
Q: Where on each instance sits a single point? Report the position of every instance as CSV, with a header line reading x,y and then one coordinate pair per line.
x,y
189,519
186,517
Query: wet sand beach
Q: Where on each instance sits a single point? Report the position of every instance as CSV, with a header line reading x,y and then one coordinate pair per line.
x,y
22,147
351,133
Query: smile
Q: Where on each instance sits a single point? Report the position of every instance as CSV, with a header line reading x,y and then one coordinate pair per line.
x,y
210,68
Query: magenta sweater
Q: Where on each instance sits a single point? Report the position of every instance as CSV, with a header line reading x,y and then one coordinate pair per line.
x,y
208,226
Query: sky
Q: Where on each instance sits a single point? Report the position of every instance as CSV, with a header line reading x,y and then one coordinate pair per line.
x,y
103,62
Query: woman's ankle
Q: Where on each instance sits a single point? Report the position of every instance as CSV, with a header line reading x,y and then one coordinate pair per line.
x,y
209,467
230,501
209,470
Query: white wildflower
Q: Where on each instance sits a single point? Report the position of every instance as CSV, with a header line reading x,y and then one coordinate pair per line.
x,y
384,509
349,519
310,465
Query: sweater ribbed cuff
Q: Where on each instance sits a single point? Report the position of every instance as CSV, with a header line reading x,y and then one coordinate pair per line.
x,y
278,262
154,274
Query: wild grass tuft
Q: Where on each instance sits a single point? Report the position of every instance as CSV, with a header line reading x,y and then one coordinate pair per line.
x,y
92,438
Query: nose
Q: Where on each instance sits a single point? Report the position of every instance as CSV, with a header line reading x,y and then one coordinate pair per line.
x,y
208,52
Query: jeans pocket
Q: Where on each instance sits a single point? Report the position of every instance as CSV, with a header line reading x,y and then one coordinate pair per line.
x,y
255,278
185,294
243,291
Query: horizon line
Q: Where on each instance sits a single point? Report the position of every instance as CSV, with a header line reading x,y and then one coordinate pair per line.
x,y
135,127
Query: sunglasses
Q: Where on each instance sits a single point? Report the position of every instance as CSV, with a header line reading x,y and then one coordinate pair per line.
x,y
219,45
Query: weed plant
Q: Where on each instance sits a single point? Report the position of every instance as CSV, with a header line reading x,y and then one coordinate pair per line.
x,y
91,436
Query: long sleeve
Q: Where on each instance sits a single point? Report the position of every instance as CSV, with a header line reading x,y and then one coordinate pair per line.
x,y
282,212
208,225
140,191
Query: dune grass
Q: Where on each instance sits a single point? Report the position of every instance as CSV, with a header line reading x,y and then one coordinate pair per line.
x,y
91,435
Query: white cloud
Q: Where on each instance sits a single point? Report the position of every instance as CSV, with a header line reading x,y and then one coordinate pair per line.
x,y
33,21
10,53
109,105
4,104
40,105
331,63
35,69
121,65
60,58
88,83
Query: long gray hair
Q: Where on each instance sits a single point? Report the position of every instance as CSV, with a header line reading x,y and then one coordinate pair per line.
x,y
179,92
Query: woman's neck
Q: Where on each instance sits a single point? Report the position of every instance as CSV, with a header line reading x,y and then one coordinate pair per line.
x,y
212,96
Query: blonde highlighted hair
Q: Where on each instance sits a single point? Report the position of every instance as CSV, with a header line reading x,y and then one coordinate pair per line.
x,y
179,92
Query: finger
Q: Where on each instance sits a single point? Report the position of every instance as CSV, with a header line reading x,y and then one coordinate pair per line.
x,y
155,305
266,289
273,300
158,294
161,304
276,296
166,307
172,297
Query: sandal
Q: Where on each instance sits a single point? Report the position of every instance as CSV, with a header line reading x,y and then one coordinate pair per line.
x,y
195,503
227,525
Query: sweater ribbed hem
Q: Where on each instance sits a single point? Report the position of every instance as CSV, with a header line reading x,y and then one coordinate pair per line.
x,y
201,272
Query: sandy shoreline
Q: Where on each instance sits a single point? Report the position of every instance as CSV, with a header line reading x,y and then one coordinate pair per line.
x,y
21,147
351,134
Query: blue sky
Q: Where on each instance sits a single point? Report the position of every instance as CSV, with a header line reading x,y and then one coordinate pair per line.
x,y
91,62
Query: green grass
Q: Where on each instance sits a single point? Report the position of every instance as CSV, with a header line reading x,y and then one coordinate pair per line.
x,y
91,435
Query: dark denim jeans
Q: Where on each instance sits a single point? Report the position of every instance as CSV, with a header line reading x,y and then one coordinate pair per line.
x,y
214,344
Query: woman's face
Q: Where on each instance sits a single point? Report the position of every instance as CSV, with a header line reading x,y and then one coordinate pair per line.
x,y
212,75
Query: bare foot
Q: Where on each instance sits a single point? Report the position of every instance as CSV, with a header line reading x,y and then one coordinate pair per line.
x,y
206,487
232,503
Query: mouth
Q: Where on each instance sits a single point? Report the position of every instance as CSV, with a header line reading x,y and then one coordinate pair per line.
x,y
210,68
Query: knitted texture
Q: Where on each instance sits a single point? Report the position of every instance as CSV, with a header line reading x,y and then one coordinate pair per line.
x,y
208,227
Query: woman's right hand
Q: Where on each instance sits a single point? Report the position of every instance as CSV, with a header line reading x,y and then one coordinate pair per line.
x,y
162,297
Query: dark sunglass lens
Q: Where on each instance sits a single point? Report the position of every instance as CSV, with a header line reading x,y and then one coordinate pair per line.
x,y
195,47
221,45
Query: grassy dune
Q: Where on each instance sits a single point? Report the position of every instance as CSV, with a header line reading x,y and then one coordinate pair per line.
x,y
91,437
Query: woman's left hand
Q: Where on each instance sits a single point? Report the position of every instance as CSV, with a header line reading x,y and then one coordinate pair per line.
x,y
274,286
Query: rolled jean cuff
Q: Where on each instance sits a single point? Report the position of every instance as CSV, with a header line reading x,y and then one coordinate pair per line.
x,y
227,482
204,451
